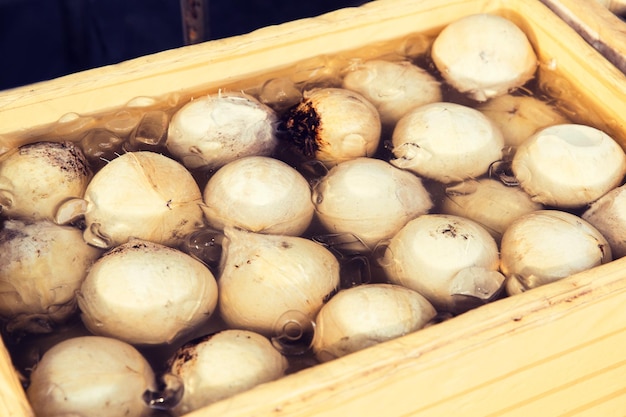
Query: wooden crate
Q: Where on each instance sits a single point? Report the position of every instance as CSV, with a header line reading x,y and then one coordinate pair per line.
x,y
596,21
553,351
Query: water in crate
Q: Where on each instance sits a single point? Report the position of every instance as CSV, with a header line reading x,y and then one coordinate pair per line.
x,y
293,129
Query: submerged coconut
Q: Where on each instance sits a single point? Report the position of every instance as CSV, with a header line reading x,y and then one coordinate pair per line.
x,y
369,199
42,265
366,315
446,142
608,215
29,173
489,202
393,88
334,125
569,165
210,131
484,55
259,194
450,260
145,293
91,376
519,116
223,364
547,245
144,195
262,277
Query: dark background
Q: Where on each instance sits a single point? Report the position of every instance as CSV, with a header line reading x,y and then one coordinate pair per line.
x,y
44,39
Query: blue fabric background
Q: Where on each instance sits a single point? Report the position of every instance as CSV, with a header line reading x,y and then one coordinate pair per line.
x,y
44,39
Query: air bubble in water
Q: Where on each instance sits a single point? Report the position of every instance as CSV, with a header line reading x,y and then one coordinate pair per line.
x,y
71,124
141,102
205,245
382,254
293,333
123,122
355,270
151,132
502,171
280,94
168,395
69,117
341,244
100,146
348,248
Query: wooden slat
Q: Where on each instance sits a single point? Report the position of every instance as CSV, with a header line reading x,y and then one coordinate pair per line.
x,y
597,24
13,402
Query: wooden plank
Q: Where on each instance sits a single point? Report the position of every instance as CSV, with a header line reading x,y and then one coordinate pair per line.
x,y
597,23
13,402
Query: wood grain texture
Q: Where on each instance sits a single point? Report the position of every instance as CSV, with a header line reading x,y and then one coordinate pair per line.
x,y
597,24
13,402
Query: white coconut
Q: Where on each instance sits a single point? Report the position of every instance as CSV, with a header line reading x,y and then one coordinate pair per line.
x,y
224,364
484,56
450,260
91,376
42,265
262,277
259,194
608,215
210,131
370,199
143,195
446,142
366,315
519,117
569,165
36,178
489,202
334,125
144,293
393,87
548,245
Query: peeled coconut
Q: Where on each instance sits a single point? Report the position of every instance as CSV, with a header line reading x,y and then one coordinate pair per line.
x,y
569,165
393,87
446,142
223,364
210,131
366,315
36,178
42,265
142,195
548,245
262,277
369,199
489,202
484,56
450,260
259,194
520,116
608,215
334,125
91,376
145,294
